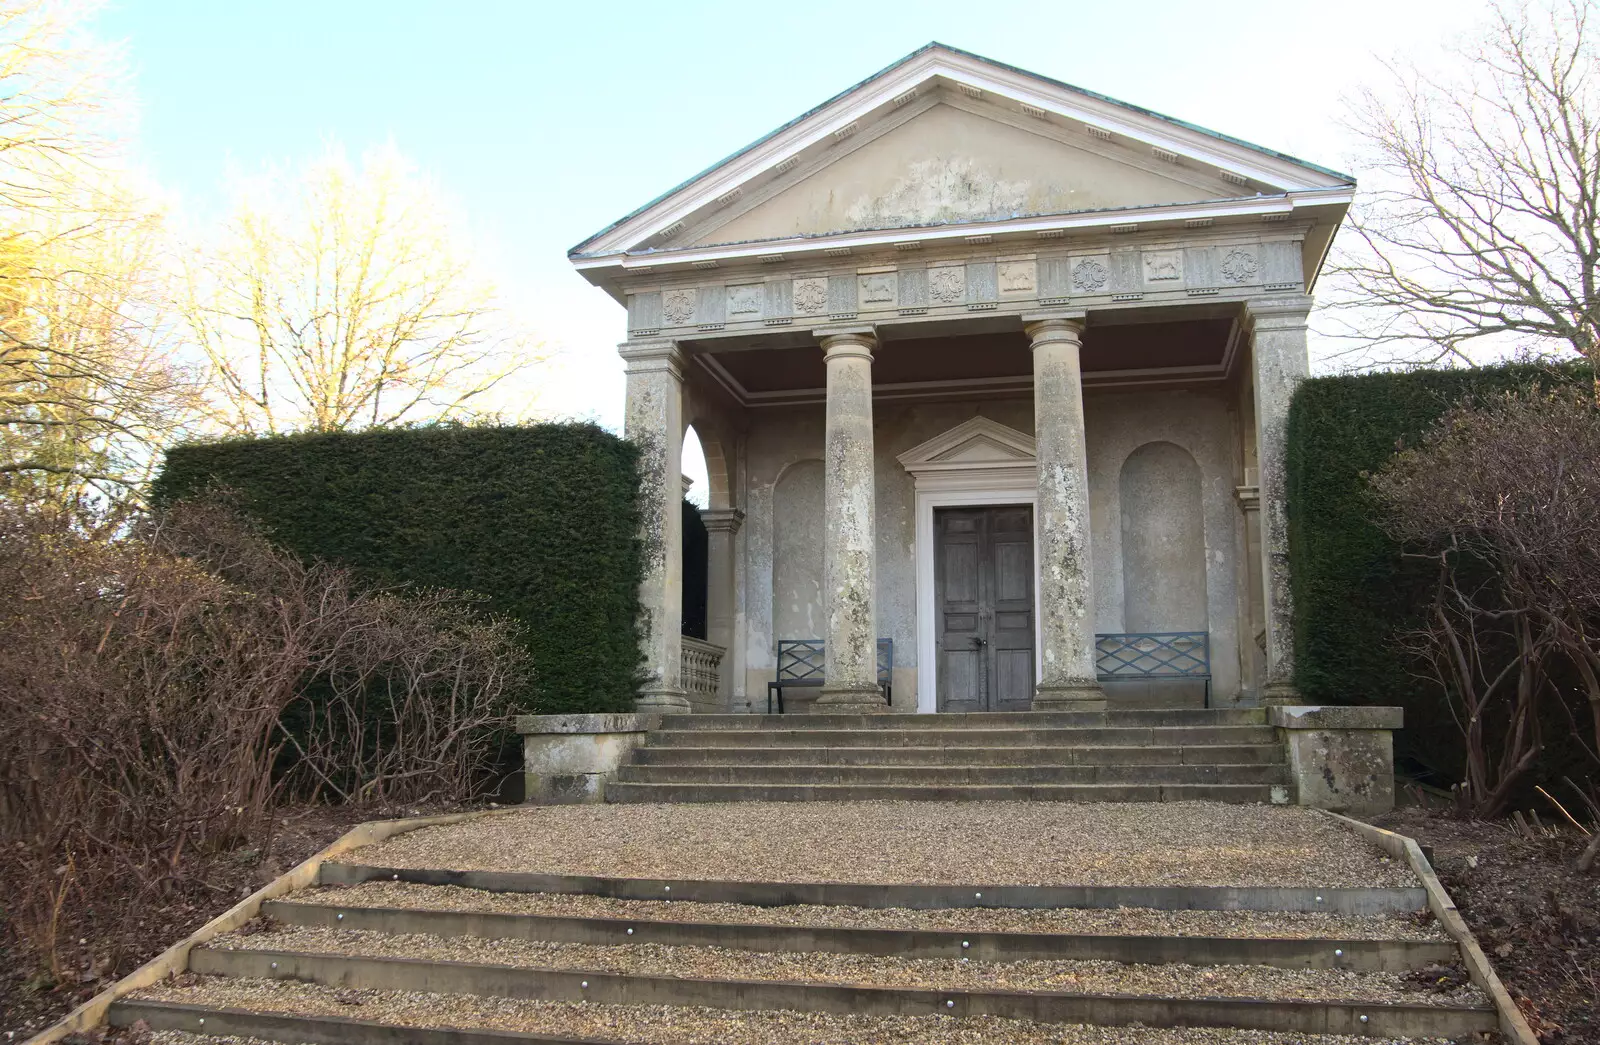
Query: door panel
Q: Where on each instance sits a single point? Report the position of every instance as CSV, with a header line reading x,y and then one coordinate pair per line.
x,y
983,583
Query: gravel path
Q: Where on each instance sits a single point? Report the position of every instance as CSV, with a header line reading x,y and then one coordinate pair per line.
x,y
1125,921
1078,977
999,843
664,1025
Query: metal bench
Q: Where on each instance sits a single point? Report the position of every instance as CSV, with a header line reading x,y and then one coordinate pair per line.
x,y
1154,655
800,663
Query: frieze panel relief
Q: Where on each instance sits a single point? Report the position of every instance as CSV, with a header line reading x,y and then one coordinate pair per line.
x,y
1130,273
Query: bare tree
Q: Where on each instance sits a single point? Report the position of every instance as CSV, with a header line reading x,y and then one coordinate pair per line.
x,y
1505,498
1484,192
340,300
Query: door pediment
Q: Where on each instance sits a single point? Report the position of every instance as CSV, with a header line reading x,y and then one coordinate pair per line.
x,y
979,449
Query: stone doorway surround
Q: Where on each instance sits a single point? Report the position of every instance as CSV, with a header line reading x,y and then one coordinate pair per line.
x,y
979,462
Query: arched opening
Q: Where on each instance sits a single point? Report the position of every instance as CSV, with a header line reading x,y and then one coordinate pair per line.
x,y
696,542
1163,541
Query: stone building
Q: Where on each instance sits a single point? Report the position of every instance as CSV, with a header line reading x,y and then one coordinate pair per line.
x,y
985,365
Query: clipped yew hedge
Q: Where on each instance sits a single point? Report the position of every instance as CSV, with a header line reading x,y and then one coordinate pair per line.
x,y
1353,592
542,520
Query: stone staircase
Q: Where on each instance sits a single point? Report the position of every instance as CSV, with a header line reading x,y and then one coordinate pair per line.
x,y
450,957
1127,754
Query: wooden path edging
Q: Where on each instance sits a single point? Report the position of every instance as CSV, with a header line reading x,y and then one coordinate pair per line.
x,y
1402,847
175,959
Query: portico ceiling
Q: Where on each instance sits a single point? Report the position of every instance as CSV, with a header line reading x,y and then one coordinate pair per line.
x,y
994,363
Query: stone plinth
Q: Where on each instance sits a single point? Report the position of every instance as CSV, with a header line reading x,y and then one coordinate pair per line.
x,y
568,759
1340,758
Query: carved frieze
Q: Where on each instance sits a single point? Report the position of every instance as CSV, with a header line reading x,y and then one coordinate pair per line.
x,y
746,300
1161,265
1054,280
947,284
842,292
1018,277
712,311
644,312
811,296
677,306
779,306
913,291
981,290
877,290
1127,276
1239,265
1090,275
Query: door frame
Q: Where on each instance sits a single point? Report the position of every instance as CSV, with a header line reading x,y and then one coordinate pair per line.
x,y
978,463
1000,494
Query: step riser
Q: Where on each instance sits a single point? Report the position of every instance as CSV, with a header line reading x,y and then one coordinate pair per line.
x,y
1235,755
1274,794
612,988
1086,737
951,776
977,720
1357,955
1365,901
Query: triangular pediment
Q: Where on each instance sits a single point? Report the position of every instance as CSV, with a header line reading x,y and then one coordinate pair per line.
x,y
944,138
976,443
947,165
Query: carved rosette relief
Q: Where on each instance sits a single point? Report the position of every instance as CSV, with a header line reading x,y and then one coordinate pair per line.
x,y
1089,276
811,295
746,299
677,306
947,286
1017,277
1163,265
1240,266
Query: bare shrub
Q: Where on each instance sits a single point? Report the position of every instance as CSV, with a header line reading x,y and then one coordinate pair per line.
x,y
1505,497
149,687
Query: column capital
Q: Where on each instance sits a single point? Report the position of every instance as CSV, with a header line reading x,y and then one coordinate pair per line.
x,y
848,342
1045,328
722,520
650,355
1279,313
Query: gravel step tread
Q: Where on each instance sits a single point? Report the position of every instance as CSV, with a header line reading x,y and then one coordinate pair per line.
x,y
1120,921
1076,977
1003,843
685,1025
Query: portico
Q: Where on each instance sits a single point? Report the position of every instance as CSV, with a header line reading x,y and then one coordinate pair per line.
x,y
984,365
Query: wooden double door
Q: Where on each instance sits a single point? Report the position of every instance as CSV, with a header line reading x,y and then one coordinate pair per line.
x,y
983,592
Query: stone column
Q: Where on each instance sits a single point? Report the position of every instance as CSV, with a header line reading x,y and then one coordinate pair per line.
x,y
1066,626
1278,349
654,422
721,526
851,653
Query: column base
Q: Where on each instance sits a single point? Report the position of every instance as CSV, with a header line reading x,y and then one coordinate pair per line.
x,y
663,701
849,700
1280,694
1070,695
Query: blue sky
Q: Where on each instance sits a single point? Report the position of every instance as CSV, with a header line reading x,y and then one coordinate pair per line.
x,y
546,121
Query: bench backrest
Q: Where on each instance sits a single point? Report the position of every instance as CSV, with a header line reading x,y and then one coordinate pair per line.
x,y
1153,654
802,660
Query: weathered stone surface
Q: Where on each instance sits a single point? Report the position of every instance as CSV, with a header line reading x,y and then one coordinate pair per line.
x,y
569,759
1340,758
654,421
848,542
1281,363
1066,621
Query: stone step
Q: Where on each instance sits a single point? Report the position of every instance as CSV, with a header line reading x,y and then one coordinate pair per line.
x,y
1274,794
975,720
1356,954
1317,1015
924,755
952,775
1357,901
1087,736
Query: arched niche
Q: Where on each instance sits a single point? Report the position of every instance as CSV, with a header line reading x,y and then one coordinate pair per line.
x,y
1163,540
797,535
